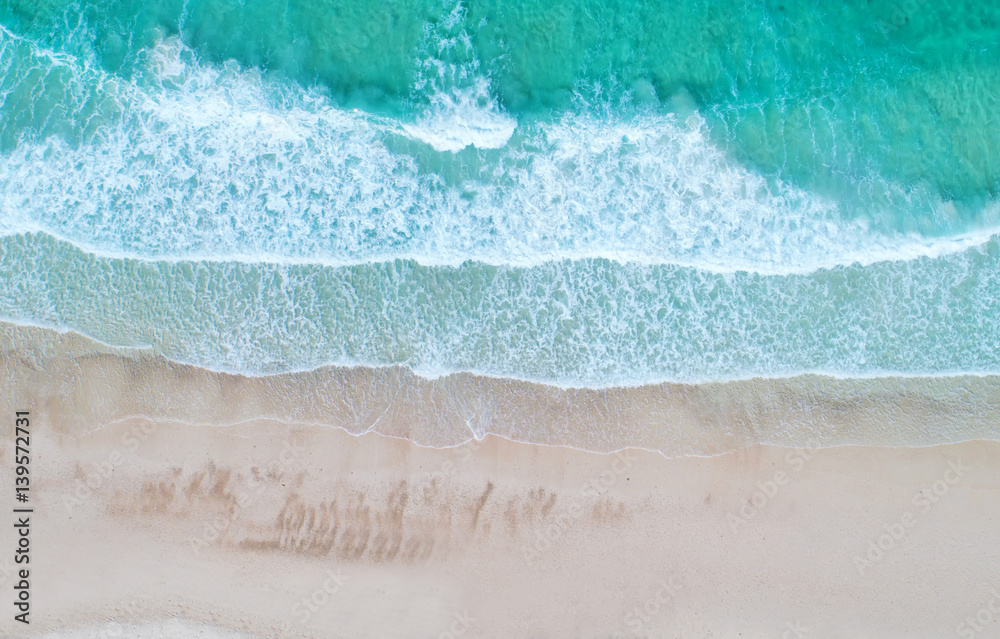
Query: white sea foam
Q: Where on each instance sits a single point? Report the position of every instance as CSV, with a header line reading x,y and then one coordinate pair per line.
x,y
219,163
588,323
461,119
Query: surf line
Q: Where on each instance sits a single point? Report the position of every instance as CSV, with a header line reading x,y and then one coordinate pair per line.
x,y
22,515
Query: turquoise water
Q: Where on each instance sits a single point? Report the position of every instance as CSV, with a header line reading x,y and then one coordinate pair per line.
x,y
585,193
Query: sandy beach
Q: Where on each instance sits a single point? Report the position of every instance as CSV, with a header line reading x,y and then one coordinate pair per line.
x,y
169,502
274,530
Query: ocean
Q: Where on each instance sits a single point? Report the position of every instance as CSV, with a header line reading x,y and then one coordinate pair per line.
x,y
590,194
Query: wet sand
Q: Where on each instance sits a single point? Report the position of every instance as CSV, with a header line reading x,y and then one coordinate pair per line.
x,y
84,385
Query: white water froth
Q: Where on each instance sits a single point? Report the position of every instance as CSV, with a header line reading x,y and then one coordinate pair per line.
x,y
219,163
467,117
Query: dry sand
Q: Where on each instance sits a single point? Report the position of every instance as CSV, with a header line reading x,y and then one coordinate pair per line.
x,y
248,527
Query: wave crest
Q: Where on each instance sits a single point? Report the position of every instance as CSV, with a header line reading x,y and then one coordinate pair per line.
x,y
193,161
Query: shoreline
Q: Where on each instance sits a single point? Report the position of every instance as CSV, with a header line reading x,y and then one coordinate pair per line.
x,y
104,384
